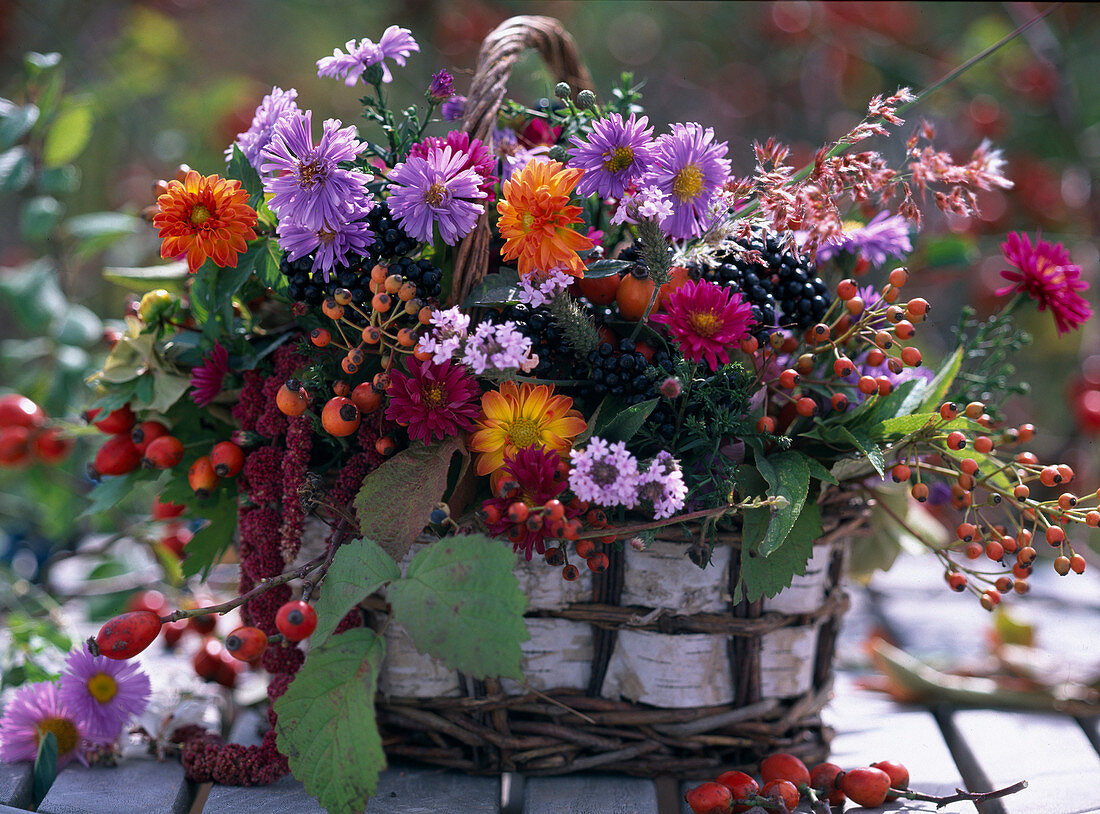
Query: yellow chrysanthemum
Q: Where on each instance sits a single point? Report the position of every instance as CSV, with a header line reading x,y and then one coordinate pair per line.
x,y
519,417
536,219
205,216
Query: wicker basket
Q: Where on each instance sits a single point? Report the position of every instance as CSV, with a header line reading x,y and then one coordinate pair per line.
x,y
648,668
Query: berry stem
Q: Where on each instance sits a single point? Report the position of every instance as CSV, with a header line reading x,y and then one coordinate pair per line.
x,y
960,795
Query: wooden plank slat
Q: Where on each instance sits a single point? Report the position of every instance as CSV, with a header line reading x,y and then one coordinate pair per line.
x,y
286,796
16,784
135,786
590,794
10,810
1050,751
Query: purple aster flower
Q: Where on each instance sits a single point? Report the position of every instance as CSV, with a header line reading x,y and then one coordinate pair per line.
x,y
309,186
606,474
103,692
435,191
207,379
615,154
396,44
497,347
272,109
453,109
688,167
332,244
34,710
883,237
441,88
662,486
478,157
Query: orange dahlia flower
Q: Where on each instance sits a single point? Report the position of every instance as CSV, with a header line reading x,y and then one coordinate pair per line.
x,y
536,219
519,417
204,216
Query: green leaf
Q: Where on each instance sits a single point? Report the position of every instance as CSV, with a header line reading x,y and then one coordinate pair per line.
x,y
79,327
894,428
98,230
766,576
16,122
867,447
395,499
818,470
39,217
45,767
59,180
267,268
359,568
167,390
605,268
69,133
494,289
939,387
622,423
170,275
461,602
214,538
109,492
16,169
243,171
789,478
327,727
891,509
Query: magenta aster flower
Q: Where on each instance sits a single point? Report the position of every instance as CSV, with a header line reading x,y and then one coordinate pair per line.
x,y
606,474
207,379
34,710
689,168
615,154
271,110
433,400
396,44
706,320
478,157
1046,273
537,471
104,693
436,191
309,187
332,243
883,237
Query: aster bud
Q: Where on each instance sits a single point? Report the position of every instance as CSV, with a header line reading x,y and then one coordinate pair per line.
x,y
373,74
441,89
671,387
557,153
586,100
562,91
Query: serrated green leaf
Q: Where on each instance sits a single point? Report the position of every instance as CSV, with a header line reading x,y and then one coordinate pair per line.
x,y
818,471
766,576
622,423
243,171
69,133
395,500
45,767
789,477
327,726
461,602
16,122
359,568
213,539
267,268
109,492
939,387
867,447
494,289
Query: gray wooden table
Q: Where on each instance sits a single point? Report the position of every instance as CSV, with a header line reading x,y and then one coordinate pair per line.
x,y
943,747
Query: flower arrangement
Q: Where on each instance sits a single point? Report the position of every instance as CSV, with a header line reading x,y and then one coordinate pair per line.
x,y
653,342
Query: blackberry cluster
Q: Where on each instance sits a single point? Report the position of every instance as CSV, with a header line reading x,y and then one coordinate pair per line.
x,y
785,292
390,240
623,372
427,278
556,357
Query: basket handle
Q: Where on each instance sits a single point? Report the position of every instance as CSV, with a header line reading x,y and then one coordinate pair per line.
x,y
502,47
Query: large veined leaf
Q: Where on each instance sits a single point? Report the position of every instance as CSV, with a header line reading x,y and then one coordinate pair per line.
x,y
359,568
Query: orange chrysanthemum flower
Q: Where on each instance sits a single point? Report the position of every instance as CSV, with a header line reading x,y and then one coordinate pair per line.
x,y
521,417
204,216
536,219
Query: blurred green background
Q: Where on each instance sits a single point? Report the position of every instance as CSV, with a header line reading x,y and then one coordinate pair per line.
x,y
165,82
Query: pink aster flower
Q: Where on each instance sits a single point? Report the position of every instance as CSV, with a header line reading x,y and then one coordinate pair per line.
x,y
433,400
34,710
706,320
438,191
615,153
690,168
207,379
537,472
396,44
103,692
603,473
1047,275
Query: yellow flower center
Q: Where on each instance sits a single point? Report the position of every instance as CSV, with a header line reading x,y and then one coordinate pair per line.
x,y
436,194
523,433
528,219
434,395
688,182
199,214
102,687
619,159
704,323
63,729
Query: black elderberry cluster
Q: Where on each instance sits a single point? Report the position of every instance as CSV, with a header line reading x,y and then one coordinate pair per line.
x,y
624,372
556,357
426,277
785,293
390,240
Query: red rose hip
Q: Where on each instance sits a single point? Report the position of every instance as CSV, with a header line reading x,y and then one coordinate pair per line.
x,y
127,634
865,786
741,786
709,798
246,643
296,620
899,776
782,766
783,790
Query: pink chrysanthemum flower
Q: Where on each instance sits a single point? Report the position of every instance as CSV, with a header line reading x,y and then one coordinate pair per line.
x,y
537,471
1047,275
34,710
207,379
433,400
104,693
706,320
